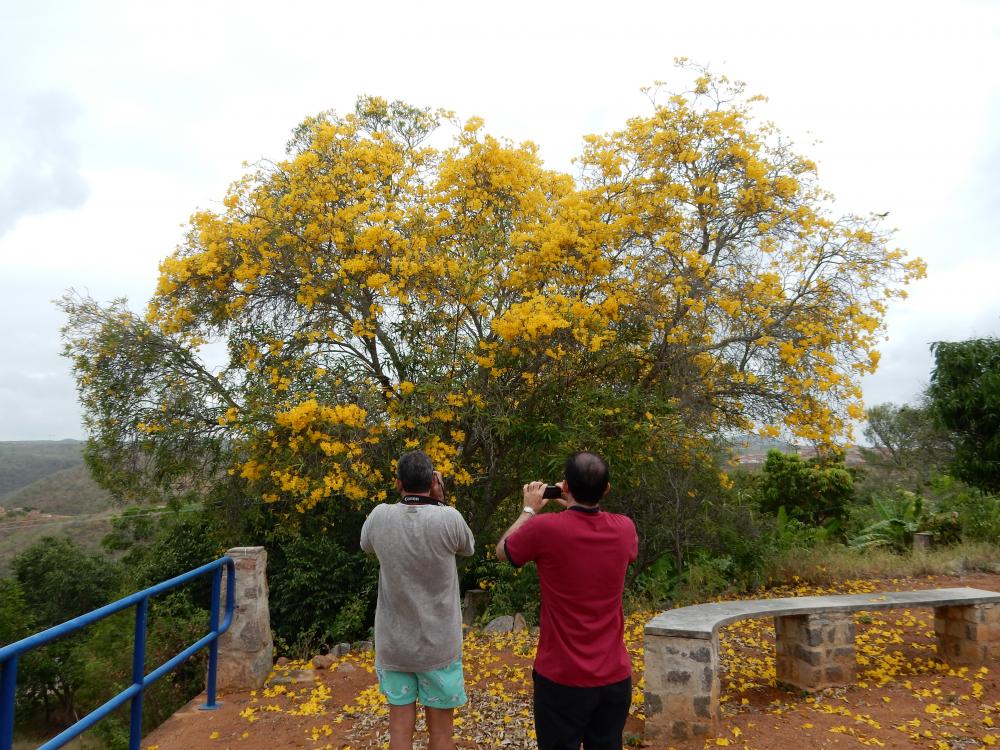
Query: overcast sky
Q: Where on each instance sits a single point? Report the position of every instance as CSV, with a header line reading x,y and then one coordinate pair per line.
x,y
118,120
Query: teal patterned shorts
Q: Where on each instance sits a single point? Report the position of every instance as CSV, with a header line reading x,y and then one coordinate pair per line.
x,y
440,688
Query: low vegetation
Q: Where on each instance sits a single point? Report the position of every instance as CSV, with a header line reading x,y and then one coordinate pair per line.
x,y
67,492
23,462
816,522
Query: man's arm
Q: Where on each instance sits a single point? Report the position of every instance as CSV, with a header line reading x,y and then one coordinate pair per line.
x,y
533,498
366,542
467,546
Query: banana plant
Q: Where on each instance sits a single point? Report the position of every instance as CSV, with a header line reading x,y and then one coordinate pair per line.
x,y
897,519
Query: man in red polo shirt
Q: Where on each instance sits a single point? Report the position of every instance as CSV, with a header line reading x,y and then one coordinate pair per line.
x,y
582,674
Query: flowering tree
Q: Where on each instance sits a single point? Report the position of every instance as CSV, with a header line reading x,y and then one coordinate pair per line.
x,y
375,293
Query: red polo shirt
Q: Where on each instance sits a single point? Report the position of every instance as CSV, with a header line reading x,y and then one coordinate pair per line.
x,y
581,555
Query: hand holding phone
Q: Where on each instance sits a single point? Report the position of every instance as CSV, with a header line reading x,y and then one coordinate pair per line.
x,y
437,487
552,491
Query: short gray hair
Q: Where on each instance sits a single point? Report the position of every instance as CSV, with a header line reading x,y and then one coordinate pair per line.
x,y
415,471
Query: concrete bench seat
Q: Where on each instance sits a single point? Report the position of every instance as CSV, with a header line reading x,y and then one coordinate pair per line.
x,y
814,647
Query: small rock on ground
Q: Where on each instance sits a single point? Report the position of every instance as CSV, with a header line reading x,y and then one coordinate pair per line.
x,y
323,661
502,624
293,676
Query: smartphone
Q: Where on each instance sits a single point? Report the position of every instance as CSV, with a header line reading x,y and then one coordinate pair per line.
x,y
552,491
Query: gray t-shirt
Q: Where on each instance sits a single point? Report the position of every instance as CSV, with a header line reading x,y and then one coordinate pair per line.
x,y
418,618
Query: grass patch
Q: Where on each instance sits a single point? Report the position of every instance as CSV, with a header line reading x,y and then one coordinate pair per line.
x,y
826,564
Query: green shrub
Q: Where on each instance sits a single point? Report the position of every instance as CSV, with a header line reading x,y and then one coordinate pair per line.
x,y
511,589
945,528
656,586
977,513
896,518
708,577
810,491
320,592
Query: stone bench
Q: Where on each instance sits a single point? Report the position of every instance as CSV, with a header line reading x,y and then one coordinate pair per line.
x,y
814,647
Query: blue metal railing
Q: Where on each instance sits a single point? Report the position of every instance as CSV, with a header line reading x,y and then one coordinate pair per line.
x,y
140,680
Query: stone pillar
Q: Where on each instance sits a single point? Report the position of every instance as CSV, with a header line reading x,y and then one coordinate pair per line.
x,y
682,688
245,650
968,635
815,651
921,541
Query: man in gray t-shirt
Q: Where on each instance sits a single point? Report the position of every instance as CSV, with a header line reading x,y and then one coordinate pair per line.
x,y
418,618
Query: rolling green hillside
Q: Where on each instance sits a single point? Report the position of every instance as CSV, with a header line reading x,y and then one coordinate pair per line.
x,y
50,477
69,492
27,461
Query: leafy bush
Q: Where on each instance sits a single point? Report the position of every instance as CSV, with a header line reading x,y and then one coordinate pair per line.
x,y
946,528
511,589
978,513
59,582
320,592
656,586
15,617
897,517
708,577
813,492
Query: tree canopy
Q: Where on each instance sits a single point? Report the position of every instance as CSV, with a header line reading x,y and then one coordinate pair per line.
x,y
907,441
965,396
375,291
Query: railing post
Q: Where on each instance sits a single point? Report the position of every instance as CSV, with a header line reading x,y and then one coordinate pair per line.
x,y
8,685
245,650
10,653
213,650
138,674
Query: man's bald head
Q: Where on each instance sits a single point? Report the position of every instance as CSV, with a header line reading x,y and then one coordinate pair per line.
x,y
587,476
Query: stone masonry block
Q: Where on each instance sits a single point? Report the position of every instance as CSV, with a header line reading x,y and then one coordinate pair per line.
x,y
956,629
817,650
681,687
245,650
967,635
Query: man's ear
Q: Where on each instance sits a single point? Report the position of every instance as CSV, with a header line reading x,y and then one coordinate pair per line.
x,y
399,486
606,491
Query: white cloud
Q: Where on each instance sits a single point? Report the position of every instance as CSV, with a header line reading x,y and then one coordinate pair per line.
x,y
903,96
42,171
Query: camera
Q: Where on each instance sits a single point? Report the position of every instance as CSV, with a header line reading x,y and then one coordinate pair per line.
x,y
552,491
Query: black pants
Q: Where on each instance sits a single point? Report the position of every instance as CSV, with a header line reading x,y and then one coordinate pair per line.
x,y
567,716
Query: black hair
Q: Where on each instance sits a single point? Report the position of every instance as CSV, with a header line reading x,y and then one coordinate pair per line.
x,y
415,471
587,476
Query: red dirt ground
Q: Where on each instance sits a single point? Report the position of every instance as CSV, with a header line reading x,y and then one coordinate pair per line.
x,y
901,699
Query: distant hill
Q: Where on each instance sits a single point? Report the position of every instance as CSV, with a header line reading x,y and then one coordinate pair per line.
x,y
50,478
27,461
751,451
747,444
69,492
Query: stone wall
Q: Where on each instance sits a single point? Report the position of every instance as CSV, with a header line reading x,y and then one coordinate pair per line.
x,y
969,634
682,688
245,650
815,651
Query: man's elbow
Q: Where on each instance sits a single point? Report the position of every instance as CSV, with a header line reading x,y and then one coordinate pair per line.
x,y
502,552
